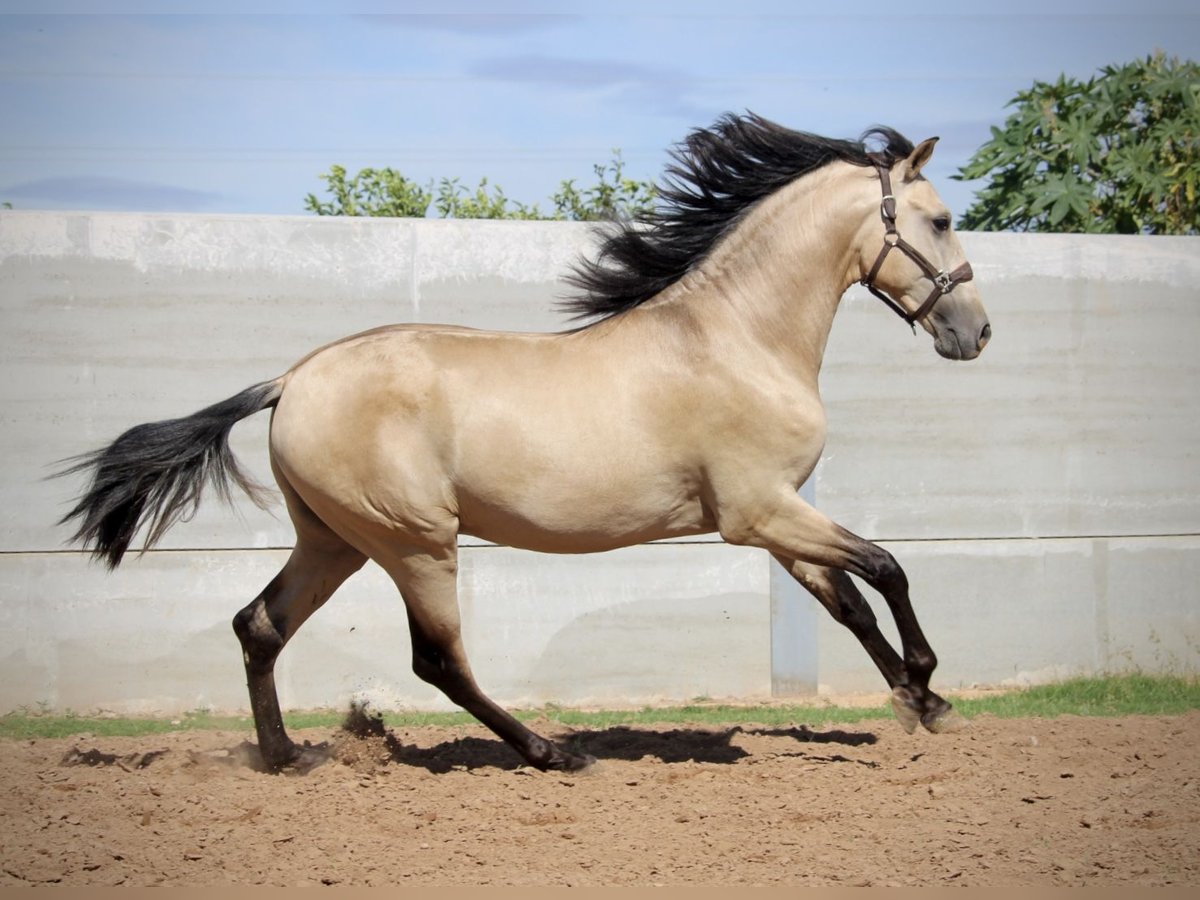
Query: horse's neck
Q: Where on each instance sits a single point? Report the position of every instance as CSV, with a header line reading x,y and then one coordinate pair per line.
x,y
777,279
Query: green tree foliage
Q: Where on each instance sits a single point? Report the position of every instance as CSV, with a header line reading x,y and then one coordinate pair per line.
x,y
1118,153
454,203
386,192
372,192
606,199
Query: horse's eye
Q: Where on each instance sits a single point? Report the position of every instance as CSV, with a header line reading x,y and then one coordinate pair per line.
x,y
942,223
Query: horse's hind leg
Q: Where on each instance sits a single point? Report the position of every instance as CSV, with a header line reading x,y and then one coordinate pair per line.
x,y
428,583
319,563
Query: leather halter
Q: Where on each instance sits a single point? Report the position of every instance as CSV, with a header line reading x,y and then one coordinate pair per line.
x,y
943,283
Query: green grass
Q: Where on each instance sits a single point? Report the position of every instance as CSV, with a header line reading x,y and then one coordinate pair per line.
x,y
1116,695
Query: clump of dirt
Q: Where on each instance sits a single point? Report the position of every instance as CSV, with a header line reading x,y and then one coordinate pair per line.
x,y
93,757
364,742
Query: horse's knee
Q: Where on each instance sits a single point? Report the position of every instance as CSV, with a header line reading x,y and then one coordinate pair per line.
x,y
842,599
881,571
261,641
856,615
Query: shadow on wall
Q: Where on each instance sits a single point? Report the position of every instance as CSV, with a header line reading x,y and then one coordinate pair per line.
x,y
687,648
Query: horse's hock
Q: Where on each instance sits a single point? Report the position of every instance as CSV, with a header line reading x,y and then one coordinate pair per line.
x,y
1043,500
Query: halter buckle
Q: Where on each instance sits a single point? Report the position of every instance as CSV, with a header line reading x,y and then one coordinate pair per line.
x,y
943,281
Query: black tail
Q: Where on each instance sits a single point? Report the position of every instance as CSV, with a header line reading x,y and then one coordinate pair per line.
x,y
153,474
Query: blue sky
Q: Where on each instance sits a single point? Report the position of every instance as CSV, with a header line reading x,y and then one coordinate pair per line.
x,y
239,112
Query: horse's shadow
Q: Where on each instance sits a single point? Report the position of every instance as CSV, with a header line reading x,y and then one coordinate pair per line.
x,y
701,745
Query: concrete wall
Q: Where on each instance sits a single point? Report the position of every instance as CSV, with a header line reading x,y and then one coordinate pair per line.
x,y
1045,499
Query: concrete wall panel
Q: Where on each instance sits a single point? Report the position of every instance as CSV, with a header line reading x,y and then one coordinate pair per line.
x,y
1045,499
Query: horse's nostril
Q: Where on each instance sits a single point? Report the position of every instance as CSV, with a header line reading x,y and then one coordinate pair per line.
x,y
985,335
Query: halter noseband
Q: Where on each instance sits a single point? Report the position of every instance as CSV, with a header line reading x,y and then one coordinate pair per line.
x,y
943,283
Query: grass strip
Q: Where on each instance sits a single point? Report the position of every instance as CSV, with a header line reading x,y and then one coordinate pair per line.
x,y
1114,695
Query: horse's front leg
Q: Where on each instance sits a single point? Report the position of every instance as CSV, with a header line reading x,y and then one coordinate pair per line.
x,y
819,553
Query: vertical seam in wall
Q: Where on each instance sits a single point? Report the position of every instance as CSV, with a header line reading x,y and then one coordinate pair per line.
x,y
1103,638
414,281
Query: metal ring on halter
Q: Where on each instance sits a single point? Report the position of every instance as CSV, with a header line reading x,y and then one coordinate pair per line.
x,y
943,282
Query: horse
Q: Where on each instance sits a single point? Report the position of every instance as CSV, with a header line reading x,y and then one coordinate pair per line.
x,y
684,403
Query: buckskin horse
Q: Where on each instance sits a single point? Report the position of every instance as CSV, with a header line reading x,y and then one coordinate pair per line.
x,y
686,404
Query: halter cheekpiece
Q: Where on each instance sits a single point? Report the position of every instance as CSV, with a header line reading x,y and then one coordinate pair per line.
x,y
943,282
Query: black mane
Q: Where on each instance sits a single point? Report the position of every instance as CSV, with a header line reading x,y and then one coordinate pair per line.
x,y
716,175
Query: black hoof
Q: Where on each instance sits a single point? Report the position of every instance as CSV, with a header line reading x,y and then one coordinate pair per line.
x,y
297,760
549,757
946,720
569,762
906,707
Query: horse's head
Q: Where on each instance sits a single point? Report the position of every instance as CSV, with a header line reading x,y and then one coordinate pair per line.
x,y
917,265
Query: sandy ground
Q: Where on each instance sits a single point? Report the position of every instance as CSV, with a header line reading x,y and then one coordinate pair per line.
x,y
1069,801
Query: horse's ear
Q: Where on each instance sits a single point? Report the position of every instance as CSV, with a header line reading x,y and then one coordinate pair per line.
x,y
917,159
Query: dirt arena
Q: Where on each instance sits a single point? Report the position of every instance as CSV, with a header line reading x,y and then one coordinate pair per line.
x,y
1069,801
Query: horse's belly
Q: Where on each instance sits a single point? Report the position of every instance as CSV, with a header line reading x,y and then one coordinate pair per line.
x,y
566,517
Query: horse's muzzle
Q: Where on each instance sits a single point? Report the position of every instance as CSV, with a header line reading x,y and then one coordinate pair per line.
x,y
954,344
984,336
